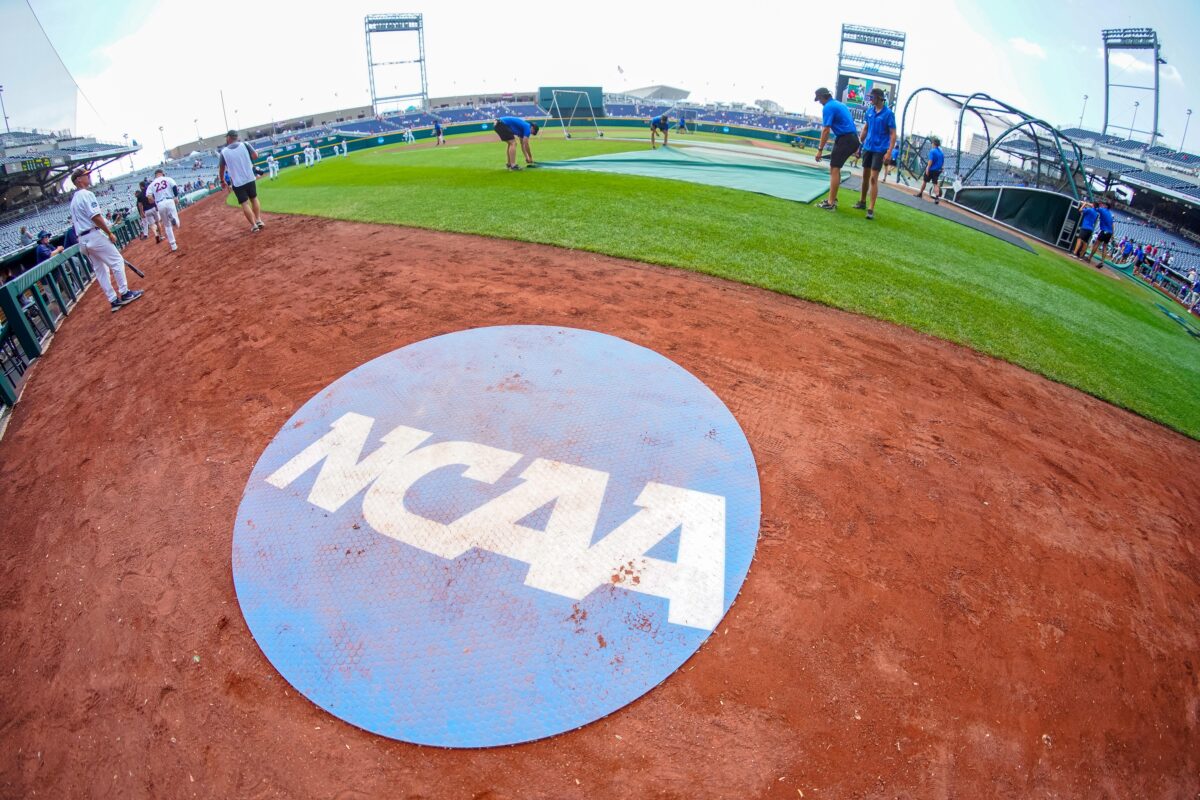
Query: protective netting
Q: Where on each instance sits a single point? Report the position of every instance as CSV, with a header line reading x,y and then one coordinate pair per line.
x,y
39,92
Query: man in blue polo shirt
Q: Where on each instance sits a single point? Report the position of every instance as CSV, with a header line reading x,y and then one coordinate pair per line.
x,y
660,123
835,120
44,251
1087,226
509,129
1106,233
933,171
438,133
878,138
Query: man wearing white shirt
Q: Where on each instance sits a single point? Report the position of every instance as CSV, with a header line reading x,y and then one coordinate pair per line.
x,y
98,242
237,158
317,154
164,190
272,167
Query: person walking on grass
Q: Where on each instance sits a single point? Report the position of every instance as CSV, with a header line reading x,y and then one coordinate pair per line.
x,y
878,139
933,171
1106,233
1087,226
835,121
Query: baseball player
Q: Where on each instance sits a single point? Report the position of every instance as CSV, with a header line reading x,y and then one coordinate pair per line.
x,y
308,156
148,212
408,135
345,149
164,190
439,133
317,154
296,159
238,159
272,167
98,243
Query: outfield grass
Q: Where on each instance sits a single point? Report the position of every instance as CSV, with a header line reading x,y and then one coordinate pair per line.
x,y
1037,310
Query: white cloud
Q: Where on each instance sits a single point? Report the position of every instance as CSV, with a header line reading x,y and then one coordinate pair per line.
x,y
1026,47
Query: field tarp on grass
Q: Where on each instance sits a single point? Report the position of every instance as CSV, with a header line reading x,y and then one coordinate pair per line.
x,y
733,170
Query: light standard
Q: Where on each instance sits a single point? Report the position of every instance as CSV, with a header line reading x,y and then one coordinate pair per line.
x,y
237,123
1185,127
163,137
1131,124
272,110
3,112
1081,112
196,121
131,167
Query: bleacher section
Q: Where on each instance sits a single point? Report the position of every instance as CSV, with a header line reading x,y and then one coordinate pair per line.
x,y
1157,179
1097,164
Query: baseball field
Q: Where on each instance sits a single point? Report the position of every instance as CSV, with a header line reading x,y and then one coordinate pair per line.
x,y
976,572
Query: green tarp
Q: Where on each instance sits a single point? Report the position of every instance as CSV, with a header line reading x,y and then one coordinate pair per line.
x,y
775,176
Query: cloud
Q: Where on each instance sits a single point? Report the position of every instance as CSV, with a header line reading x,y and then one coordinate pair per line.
x,y
1131,64
1026,47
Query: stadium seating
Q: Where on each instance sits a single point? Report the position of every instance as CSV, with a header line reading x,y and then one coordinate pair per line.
x,y
1096,164
1158,179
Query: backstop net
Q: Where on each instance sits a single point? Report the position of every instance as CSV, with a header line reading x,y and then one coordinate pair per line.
x,y
574,110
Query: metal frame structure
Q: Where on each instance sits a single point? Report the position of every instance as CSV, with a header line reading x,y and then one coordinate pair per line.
x,y
871,65
1001,121
1139,39
396,23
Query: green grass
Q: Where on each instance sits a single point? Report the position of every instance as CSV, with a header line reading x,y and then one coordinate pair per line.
x,y
1037,310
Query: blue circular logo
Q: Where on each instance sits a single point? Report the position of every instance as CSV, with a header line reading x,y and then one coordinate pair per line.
x,y
495,535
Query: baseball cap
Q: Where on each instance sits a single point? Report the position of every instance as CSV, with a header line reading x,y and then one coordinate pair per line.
x,y
822,92
79,173
231,134
878,92
43,235
533,127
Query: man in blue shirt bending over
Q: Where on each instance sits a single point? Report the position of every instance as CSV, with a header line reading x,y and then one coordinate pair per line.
x,y
660,123
878,138
509,129
933,171
835,120
1105,235
1087,226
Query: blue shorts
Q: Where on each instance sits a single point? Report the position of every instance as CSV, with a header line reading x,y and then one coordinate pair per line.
x,y
659,126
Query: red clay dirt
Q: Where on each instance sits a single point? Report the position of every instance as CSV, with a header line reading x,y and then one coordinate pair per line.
x,y
971,582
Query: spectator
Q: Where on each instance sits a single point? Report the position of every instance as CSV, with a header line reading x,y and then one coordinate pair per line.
x,y
26,237
43,251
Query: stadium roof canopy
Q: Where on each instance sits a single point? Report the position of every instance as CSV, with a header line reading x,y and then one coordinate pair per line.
x,y
659,93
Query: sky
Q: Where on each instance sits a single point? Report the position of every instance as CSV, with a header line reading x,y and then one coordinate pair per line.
x,y
141,64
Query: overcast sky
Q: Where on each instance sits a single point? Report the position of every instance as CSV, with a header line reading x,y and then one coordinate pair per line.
x,y
143,64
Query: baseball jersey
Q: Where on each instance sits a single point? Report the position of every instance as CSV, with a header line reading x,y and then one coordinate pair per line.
x,y
83,208
437,127
1087,220
836,117
880,125
1106,221
237,162
518,126
161,188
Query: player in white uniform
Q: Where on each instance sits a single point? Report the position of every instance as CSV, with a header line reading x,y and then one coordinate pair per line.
x,y
308,156
237,159
272,167
317,154
164,190
345,149
408,135
149,213
296,159
98,242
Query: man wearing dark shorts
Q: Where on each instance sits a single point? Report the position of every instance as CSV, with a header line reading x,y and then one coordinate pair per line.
x,y
1105,236
836,120
509,129
878,139
933,171
237,158
660,123
1087,226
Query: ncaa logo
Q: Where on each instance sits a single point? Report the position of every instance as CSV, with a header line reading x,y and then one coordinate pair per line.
x,y
495,535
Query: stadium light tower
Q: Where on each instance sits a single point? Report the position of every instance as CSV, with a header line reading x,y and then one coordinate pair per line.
x,y
3,111
1134,120
163,137
1186,121
1136,39
376,24
1081,112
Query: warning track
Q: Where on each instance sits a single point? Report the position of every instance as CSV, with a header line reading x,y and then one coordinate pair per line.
x,y
970,581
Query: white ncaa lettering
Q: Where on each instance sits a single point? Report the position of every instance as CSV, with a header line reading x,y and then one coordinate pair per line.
x,y
562,558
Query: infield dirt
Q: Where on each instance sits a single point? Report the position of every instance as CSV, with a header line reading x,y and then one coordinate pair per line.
x,y
970,582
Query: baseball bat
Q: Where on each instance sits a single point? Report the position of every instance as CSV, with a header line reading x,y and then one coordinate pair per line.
x,y
129,264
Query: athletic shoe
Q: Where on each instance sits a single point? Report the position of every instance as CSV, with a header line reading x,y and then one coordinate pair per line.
x,y
174,247
158,240
130,296
514,167
860,205
870,214
827,206
116,305
936,200
258,226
